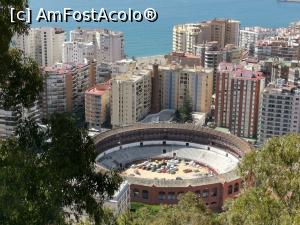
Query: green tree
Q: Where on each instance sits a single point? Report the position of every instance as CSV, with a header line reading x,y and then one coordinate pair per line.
x,y
177,117
272,181
48,175
186,109
20,82
184,113
190,210
45,175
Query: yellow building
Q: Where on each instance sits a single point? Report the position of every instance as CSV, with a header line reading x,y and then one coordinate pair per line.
x,y
223,31
176,82
97,103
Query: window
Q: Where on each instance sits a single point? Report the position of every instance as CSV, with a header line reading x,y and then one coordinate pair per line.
x,y
145,194
136,193
205,193
171,196
198,194
230,190
236,187
164,151
214,192
161,195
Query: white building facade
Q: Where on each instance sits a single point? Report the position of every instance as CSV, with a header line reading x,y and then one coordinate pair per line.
x,y
279,111
44,45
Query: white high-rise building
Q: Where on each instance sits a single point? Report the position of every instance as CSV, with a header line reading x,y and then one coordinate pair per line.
x,y
131,97
279,110
78,52
109,45
44,45
250,35
29,44
52,41
186,36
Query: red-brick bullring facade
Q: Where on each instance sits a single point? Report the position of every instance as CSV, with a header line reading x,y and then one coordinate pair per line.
x,y
213,190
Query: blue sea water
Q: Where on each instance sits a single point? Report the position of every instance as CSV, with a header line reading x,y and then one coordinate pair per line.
x,y
142,39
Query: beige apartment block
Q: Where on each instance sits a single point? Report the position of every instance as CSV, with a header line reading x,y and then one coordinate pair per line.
x,y
131,97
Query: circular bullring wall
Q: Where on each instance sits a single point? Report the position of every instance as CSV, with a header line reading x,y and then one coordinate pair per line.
x,y
213,190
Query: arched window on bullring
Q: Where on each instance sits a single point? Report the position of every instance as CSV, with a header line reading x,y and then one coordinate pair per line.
x,y
198,194
236,187
171,196
214,192
161,196
230,189
205,193
145,194
136,193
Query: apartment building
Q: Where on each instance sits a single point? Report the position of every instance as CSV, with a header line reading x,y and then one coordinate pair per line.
x,y
294,75
238,92
131,97
173,82
120,202
278,68
211,56
250,35
9,119
64,87
122,66
224,31
44,45
109,45
294,28
78,52
187,36
184,59
279,110
97,105
284,49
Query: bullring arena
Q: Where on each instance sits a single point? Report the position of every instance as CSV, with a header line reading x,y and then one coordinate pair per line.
x,y
162,161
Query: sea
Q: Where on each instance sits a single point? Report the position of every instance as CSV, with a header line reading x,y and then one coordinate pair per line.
x,y
145,38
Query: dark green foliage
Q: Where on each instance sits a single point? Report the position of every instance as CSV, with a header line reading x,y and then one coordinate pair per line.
x,y
184,113
45,172
8,29
44,175
20,82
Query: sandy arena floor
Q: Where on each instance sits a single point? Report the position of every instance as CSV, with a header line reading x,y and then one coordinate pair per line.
x,y
194,170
